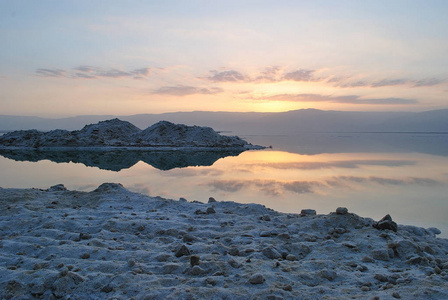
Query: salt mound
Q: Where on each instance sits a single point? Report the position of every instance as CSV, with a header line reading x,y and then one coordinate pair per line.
x,y
117,133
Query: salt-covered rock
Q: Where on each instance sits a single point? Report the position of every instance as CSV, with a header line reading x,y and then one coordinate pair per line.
x,y
257,279
181,251
341,211
308,212
271,253
57,187
386,223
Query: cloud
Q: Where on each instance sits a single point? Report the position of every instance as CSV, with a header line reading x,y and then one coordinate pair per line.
x,y
269,187
342,82
270,74
429,82
227,76
348,164
351,99
390,181
89,72
187,90
390,82
51,72
300,75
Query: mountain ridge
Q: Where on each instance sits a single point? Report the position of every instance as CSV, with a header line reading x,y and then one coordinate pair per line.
x,y
304,120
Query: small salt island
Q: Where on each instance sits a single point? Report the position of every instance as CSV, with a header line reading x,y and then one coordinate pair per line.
x,y
111,243
118,134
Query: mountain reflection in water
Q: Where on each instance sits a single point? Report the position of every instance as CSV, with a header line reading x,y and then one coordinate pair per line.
x,y
117,160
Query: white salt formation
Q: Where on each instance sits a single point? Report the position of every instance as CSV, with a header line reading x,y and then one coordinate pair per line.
x,y
117,133
115,244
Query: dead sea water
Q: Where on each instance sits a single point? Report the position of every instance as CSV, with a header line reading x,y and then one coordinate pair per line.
x,y
372,174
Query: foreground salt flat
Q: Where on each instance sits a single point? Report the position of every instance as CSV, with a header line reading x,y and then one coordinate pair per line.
x,y
115,244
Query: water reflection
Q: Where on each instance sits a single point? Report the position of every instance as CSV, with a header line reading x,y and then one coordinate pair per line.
x,y
122,159
410,185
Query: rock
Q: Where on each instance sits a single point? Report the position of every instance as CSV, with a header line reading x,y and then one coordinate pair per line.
x,y
85,256
291,257
170,268
265,218
271,253
328,274
211,200
380,277
182,250
197,270
380,254
341,211
188,238
84,236
234,251
434,231
210,281
307,212
265,234
210,210
233,263
57,187
257,279
386,223
404,248
396,295
181,199
367,259
194,260
163,257
107,288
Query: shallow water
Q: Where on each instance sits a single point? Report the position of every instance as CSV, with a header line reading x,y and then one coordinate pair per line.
x,y
404,175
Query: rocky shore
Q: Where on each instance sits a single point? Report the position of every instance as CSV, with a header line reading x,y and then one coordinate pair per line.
x,y
114,244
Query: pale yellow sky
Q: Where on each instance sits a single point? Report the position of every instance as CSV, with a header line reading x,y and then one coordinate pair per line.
x,y
112,57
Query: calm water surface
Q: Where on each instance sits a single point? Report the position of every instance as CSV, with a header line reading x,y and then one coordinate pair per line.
x,y
405,175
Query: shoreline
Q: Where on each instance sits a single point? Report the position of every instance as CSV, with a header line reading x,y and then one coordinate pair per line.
x,y
113,243
135,148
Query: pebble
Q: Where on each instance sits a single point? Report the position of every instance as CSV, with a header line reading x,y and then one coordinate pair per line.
x,y
396,295
85,256
257,279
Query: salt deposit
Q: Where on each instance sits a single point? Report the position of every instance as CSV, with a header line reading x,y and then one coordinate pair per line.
x,y
122,134
114,244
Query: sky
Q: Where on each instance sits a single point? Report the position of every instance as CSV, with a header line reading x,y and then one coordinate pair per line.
x,y
66,58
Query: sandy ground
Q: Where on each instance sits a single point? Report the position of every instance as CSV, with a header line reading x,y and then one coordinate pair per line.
x,y
114,244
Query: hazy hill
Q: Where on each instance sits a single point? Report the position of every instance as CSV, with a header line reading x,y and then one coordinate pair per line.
x,y
308,120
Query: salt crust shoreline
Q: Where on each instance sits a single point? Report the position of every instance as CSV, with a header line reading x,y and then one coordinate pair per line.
x,y
115,244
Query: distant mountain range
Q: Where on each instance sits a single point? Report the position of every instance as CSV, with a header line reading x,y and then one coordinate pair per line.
x,y
254,123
